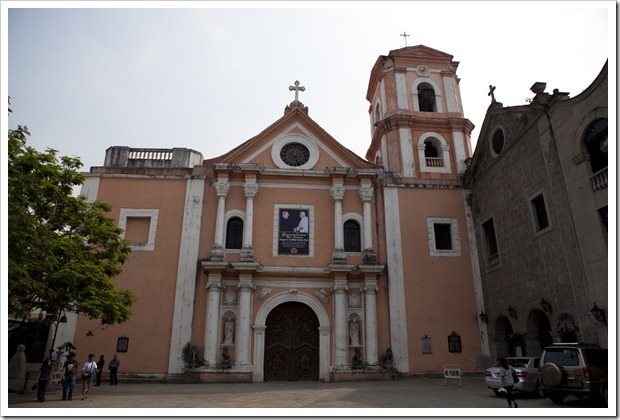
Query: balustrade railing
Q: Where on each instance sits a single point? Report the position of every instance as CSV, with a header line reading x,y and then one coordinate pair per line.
x,y
493,260
432,162
150,154
599,180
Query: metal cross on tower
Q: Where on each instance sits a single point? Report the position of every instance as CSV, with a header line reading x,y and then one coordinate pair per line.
x,y
297,88
404,35
492,93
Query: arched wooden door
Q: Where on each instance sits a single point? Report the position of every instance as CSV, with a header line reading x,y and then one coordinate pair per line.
x,y
292,343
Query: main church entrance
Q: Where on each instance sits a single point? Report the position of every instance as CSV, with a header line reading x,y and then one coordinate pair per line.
x,y
292,343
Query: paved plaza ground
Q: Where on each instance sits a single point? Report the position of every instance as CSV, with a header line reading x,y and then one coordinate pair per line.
x,y
413,396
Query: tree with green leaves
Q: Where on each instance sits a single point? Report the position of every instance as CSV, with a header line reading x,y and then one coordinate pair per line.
x,y
63,251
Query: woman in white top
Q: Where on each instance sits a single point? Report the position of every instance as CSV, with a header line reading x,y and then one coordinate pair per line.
x,y
505,371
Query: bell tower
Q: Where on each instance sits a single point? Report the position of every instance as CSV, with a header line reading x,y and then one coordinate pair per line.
x,y
417,124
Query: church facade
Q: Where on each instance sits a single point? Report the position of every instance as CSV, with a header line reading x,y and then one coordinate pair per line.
x,y
292,258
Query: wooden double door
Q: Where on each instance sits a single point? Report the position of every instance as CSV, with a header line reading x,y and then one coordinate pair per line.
x,y
292,343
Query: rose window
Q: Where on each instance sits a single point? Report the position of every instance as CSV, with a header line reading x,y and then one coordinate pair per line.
x,y
295,154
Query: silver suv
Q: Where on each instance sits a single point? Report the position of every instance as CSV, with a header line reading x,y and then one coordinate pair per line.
x,y
574,369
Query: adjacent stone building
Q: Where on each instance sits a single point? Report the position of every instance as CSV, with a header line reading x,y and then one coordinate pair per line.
x,y
538,192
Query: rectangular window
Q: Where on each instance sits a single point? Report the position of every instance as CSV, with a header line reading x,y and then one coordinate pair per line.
x,y
139,227
540,212
454,343
137,230
443,236
491,243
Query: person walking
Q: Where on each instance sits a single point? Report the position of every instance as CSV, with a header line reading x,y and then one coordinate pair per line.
x,y
88,372
506,371
67,377
100,366
43,379
114,365
53,357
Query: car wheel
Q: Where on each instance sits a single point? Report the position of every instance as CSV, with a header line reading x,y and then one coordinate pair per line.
x,y
557,397
551,374
540,390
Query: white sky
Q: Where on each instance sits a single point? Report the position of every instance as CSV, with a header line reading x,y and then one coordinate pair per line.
x,y
209,78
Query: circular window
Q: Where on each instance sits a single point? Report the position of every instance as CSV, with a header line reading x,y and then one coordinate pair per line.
x,y
295,154
294,151
498,141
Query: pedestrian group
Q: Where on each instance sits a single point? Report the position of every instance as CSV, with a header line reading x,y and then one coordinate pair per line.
x,y
91,372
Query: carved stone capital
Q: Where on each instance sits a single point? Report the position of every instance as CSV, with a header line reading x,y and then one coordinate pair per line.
x,y
366,193
222,188
214,285
337,192
250,189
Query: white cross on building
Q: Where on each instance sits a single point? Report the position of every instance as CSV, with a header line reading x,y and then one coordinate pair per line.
x,y
297,88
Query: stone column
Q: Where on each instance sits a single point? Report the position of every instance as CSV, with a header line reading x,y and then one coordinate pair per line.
x,y
251,189
339,255
222,187
369,257
370,305
244,321
212,324
341,343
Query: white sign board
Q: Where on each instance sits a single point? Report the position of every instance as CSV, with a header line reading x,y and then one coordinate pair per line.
x,y
451,372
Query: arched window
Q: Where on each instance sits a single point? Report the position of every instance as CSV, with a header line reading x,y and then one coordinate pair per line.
x,y
352,236
596,144
234,233
377,114
426,98
431,153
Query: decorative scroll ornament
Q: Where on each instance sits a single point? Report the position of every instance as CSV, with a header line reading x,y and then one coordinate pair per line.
x,y
354,300
322,294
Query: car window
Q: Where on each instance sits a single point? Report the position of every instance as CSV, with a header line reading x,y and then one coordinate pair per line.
x,y
562,357
596,357
518,363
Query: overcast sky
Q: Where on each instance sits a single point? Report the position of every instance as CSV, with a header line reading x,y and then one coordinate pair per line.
x,y
209,78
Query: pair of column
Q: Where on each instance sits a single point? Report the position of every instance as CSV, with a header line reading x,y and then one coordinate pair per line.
x,y
222,188
341,329
242,323
337,193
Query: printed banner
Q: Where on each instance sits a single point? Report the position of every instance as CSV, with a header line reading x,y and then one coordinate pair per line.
x,y
294,228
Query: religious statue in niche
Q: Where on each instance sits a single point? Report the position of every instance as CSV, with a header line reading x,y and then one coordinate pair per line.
x,y
229,331
354,333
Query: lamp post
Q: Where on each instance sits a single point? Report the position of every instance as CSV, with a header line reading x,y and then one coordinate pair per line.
x,y
598,313
59,320
483,317
546,306
512,311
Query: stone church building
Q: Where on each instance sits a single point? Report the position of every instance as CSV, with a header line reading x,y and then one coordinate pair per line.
x,y
292,258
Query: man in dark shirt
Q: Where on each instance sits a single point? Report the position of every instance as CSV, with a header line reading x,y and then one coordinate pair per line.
x,y
69,371
100,366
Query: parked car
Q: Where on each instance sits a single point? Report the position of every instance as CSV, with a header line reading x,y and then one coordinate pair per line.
x,y
574,369
527,371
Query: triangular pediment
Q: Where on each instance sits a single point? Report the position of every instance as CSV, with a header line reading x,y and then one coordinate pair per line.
x,y
422,52
317,149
